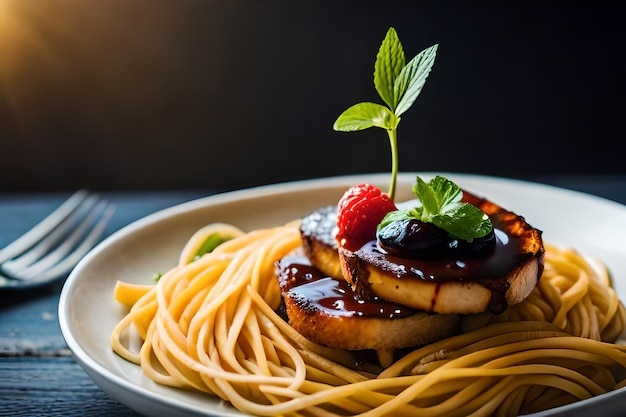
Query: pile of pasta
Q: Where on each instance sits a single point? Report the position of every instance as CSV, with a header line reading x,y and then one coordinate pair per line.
x,y
210,324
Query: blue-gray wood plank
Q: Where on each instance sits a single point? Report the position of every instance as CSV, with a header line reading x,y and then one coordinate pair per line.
x,y
38,375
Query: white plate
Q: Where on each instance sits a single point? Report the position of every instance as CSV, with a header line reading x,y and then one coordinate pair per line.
x,y
88,312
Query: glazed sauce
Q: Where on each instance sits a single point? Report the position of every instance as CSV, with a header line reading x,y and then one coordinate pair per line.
x,y
313,291
499,262
487,271
510,253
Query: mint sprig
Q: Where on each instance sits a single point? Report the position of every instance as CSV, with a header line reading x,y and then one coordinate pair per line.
x,y
398,84
441,205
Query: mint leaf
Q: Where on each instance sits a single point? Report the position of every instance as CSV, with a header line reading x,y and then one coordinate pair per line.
x,y
440,195
447,191
463,221
398,84
389,63
408,85
441,205
364,115
429,199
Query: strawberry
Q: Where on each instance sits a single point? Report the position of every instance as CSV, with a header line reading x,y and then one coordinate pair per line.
x,y
359,212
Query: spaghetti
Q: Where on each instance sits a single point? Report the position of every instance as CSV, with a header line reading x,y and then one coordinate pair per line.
x,y
211,325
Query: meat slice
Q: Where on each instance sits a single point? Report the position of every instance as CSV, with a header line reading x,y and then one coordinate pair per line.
x,y
326,311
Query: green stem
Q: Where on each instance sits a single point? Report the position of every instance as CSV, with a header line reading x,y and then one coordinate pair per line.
x,y
393,141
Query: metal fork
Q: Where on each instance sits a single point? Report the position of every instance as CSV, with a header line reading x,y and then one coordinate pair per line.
x,y
49,250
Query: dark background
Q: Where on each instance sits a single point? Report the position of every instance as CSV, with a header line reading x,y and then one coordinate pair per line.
x,y
159,94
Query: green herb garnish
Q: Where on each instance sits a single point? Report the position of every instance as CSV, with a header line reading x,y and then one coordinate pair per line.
x,y
210,243
398,84
441,205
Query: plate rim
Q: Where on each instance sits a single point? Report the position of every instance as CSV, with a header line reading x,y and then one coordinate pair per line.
x,y
92,367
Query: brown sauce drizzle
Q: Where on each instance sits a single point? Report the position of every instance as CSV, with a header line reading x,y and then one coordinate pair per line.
x,y
511,252
505,257
489,271
303,283
516,243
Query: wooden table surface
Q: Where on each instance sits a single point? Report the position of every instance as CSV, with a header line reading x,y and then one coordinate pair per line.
x,y
38,375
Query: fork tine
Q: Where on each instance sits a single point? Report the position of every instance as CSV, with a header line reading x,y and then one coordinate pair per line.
x,y
30,238
64,257
59,237
65,266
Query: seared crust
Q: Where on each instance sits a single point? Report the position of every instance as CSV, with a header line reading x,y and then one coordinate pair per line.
x,y
449,297
308,297
358,333
427,310
371,272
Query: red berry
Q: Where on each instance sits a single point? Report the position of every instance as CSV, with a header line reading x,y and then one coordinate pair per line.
x,y
359,212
